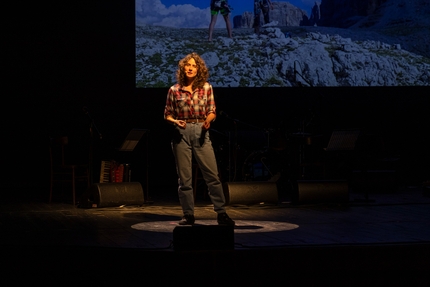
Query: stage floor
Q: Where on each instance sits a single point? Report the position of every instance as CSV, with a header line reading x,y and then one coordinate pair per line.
x,y
388,218
387,231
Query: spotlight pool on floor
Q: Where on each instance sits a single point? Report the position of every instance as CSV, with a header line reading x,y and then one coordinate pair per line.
x,y
242,226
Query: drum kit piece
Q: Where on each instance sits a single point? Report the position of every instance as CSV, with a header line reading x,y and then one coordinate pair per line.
x,y
303,166
264,154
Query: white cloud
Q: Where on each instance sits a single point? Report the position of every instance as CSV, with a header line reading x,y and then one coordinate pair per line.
x,y
153,12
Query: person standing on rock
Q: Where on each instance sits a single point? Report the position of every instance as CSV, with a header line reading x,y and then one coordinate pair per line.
x,y
261,7
220,7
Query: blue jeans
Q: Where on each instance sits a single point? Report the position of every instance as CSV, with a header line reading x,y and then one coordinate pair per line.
x,y
194,141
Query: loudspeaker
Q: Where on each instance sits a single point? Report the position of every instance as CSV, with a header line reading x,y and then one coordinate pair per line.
x,y
321,191
203,237
250,192
115,194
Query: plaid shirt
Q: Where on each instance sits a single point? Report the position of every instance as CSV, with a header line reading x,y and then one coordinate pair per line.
x,y
181,104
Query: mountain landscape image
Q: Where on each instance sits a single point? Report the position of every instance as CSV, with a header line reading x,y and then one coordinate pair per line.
x,y
337,43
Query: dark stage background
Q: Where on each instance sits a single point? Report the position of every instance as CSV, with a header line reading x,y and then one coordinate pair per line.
x,y
68,58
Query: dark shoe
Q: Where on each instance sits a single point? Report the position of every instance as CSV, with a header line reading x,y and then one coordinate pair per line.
x,y
187,219
224,219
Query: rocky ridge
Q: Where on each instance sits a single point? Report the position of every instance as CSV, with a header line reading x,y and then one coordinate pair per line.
x,y
407,21
284,13
280,57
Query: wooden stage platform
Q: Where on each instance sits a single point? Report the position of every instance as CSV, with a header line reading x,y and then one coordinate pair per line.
x,y
380,240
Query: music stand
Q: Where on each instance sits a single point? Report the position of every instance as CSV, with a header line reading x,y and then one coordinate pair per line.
x,y
343,140
340,147
132,139
130,143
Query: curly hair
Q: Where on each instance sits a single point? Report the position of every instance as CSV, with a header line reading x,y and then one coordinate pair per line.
x,y
202,71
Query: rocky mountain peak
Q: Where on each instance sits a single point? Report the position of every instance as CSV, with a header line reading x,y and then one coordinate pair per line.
x,y
283,13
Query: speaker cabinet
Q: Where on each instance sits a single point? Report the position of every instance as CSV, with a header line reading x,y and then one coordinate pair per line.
x,y
116,194
203,237
250,192
321,191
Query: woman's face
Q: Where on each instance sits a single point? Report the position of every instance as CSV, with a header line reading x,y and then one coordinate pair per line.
x,y
191,69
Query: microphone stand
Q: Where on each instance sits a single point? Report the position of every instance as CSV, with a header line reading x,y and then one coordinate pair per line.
x,y
236,121
93,128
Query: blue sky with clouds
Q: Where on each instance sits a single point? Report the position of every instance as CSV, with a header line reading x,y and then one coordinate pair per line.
x,y
194,13
239,6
